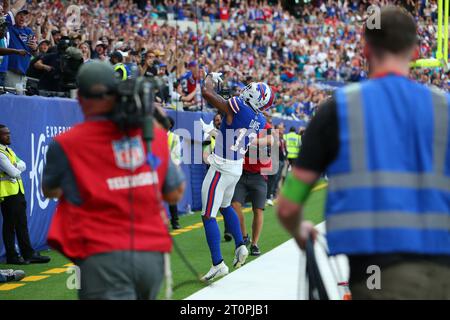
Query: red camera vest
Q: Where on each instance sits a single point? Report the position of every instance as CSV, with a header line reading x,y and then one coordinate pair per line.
x,y
121,208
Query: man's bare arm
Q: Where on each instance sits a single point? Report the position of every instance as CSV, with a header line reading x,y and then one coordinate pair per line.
x,y
189,97
8,51
41,66
17,6
175,196
6,6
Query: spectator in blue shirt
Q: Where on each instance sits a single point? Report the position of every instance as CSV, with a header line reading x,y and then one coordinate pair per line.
x,y
4,43
4,50
21,38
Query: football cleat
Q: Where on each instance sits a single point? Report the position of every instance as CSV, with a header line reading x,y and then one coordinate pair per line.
x,y
216,272
254,250
13,275
240,255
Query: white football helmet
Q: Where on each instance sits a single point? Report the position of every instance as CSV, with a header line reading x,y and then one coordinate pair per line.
x,y
258,95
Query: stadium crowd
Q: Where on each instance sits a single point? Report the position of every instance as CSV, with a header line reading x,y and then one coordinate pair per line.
x,y
303,55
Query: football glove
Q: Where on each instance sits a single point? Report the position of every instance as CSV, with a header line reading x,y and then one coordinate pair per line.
x,y
216,77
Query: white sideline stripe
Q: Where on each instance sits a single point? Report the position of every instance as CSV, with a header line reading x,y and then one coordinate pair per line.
x,y
275,276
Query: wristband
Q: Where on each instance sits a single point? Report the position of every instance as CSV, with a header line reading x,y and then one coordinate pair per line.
x,y
295,190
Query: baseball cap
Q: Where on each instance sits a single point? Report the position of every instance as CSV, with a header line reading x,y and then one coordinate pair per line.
x,y
99,43
118,45
44,41
192,64
118,55
96,79
24,11
123,53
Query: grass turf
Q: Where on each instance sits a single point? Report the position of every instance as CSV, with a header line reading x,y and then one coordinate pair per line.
x,y
192,244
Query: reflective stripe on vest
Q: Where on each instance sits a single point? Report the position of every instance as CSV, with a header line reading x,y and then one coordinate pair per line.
x,y
213,144
388,210
170,135
361,177
292,145
10,186
391,219
173,142
121,67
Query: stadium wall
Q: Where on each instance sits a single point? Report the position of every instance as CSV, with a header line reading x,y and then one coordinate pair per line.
x,y
34,121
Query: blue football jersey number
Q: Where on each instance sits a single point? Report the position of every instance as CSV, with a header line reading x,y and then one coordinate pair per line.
x,y
235,139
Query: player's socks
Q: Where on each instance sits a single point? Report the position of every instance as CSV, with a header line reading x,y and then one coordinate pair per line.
x,y
233,225
213,238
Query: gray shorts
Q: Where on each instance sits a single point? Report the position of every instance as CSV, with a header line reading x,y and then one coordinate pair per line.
x,y
252,187
121,275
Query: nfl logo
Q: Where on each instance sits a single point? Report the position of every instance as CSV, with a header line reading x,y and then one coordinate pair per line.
x,y
129,153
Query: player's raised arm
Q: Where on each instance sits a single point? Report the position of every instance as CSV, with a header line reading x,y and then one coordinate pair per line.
x,y
214,99
19,4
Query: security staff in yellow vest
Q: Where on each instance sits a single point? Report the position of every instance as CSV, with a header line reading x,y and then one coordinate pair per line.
x,y
211,132
119,67
175,154
293,144
13,205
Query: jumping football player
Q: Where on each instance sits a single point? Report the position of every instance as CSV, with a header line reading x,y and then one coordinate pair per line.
x,y
243,119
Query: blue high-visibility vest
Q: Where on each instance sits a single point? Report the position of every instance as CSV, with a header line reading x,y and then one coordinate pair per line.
x,y
389,188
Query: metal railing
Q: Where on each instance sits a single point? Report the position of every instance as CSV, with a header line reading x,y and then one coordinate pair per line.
x,y
35,92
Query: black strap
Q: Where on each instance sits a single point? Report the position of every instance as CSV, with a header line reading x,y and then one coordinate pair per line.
x,y
317,289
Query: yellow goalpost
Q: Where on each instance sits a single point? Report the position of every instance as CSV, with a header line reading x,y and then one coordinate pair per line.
x,y
441,59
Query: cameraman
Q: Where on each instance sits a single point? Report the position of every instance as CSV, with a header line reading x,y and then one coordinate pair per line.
x,y
60,68
34,74
150,66
50,65
110,219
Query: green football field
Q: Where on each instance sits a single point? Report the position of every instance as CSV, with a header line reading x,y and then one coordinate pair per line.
x,y
49,281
